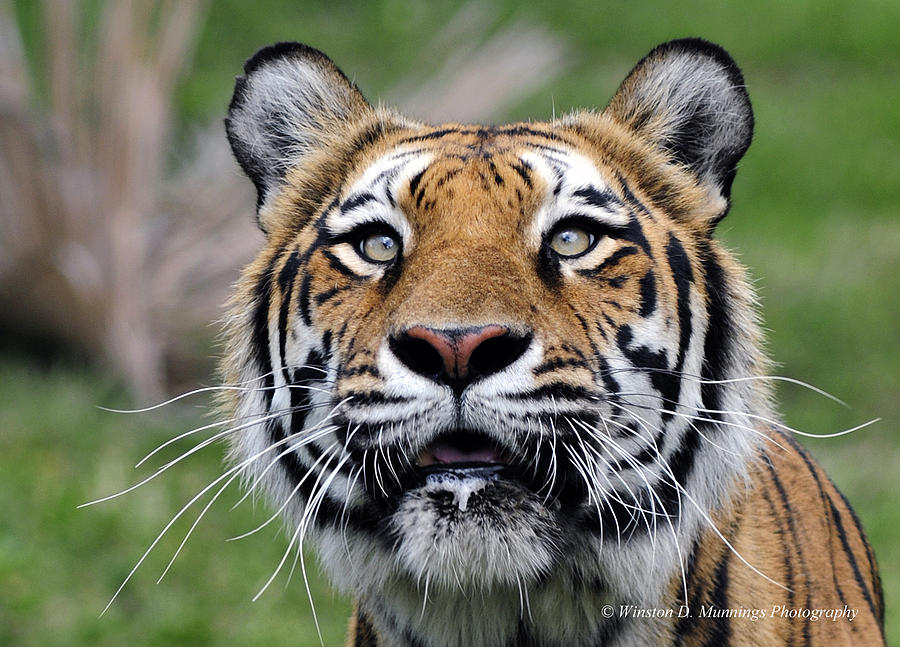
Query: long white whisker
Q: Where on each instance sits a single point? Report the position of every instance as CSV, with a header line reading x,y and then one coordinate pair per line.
x,y
228,473
175,461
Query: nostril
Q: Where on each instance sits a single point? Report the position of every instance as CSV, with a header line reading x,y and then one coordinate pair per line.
x,y
417,354
458,356
496,353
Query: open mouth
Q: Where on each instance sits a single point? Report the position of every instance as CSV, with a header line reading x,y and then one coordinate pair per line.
x,y
462,450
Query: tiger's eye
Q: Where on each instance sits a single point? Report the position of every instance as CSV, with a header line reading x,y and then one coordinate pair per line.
x,y
379,247
571,241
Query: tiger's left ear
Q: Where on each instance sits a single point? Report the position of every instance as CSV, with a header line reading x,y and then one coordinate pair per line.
x,y
687,97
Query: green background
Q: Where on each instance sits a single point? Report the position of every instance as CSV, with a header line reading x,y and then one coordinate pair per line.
x,y
815,217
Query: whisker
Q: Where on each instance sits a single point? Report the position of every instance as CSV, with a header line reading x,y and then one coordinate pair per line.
x,y
290,496
734,380
240,386
228,473
284,411
177,460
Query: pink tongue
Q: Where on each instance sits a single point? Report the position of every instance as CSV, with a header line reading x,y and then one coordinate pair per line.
x,y
447,454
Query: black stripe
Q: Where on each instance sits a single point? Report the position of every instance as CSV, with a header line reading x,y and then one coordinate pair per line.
x,y
557,390
609,382
719,331
648,294
414,182
374,397
870,556
498,179
523,168
557,362
303,300
719,632
663,380
261,331
680,265
322,297
631,198
694,598
356,201
604,199
517,130
611,261
634,233
796,541
836,518
335,263
363,369
437,134
286,284
857,575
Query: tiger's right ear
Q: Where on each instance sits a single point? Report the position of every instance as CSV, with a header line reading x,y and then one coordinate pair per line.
x,y
291,101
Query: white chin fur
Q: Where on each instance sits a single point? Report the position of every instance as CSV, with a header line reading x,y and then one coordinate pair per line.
x,y
454,534
473,533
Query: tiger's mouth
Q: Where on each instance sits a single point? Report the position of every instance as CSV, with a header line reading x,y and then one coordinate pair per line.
x,y
464,456
460,450
459,457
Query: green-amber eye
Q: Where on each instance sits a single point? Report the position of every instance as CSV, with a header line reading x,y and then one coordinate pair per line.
x,y
571,241
379,247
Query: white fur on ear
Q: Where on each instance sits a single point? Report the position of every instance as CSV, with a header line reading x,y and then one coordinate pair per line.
x,y
290,102
688,98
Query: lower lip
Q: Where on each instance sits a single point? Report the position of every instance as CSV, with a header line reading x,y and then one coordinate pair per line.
x,y
464,470
459,472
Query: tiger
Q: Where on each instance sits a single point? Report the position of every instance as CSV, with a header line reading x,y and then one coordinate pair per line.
x,y
510,386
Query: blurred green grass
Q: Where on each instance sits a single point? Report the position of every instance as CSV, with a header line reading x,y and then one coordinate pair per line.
x,y
815,217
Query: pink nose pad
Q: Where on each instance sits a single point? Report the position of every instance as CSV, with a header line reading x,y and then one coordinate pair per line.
x,y
456,346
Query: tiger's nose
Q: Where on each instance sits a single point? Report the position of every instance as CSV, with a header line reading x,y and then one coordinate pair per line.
x,y
458,356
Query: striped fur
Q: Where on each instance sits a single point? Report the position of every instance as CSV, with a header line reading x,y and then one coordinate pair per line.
x,y
636,460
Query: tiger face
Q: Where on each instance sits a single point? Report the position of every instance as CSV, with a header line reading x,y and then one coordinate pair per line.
x,y
494,359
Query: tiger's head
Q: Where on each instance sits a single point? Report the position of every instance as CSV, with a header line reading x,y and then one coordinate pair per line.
x,y
484,357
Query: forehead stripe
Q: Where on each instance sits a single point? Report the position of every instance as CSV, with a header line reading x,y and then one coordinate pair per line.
x,y
596,198
355,201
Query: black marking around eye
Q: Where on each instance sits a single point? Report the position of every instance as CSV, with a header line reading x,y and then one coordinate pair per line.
x,y
635,233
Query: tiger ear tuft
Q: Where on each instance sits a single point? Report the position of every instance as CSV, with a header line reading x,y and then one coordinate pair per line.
x,y
688,98
290,102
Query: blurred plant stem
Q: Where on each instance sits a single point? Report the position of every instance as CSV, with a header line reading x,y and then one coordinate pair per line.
x,y
82,176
